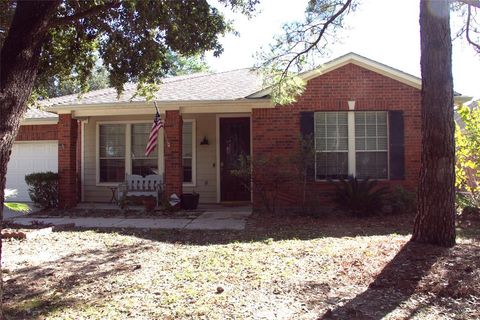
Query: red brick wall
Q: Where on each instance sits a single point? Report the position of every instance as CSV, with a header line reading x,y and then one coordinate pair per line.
x,y
37,132
277,131
67,161
173,153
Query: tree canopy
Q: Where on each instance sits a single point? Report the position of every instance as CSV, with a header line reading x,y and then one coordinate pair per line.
x,y
61,39
139,41
59,86
467,139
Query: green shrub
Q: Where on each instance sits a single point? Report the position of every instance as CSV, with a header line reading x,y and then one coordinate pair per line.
x,y
43,188
360,197
267,176
466,199
403,200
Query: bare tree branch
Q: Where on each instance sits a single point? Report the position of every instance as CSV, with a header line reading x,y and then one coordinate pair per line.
x,y
467,33
473,3
84,14
317,40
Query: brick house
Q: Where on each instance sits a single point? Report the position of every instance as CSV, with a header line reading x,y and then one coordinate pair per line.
x,y
365,117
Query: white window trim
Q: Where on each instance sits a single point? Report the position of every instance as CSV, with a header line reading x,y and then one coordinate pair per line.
x,y
128,146
352,152
194,154
352,161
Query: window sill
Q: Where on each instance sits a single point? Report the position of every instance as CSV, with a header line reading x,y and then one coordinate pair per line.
x,y
188,184
337,180
107,184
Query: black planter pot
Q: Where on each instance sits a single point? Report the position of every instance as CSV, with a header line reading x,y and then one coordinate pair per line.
x,y
190,200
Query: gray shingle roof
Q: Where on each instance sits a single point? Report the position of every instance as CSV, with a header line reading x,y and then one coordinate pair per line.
x,y
37,114
230,85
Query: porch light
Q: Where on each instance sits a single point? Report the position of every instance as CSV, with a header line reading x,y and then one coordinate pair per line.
x,y
204,142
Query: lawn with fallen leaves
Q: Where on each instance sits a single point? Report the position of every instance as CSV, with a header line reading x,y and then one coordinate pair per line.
x,y
279,268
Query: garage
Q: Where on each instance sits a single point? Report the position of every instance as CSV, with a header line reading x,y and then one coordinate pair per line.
x,y
28,157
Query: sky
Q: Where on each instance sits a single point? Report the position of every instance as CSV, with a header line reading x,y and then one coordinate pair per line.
x,y
383,30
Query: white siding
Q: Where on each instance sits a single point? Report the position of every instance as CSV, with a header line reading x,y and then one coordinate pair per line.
x,y
206,180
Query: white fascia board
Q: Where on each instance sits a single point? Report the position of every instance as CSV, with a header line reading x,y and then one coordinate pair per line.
x,y
38,121
203,106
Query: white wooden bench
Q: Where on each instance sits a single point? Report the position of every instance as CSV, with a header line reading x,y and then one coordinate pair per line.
x,y
136,185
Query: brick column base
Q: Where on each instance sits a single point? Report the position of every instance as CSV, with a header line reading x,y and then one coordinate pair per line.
x,y
173,153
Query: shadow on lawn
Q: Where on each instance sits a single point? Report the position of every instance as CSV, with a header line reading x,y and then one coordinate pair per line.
x,y
34,292
411,271
394,285
279,228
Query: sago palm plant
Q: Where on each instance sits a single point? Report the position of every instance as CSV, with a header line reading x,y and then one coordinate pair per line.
x,y
361,197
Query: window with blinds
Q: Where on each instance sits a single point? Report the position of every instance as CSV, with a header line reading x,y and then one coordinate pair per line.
x,y
331,145
371,145
141,164
112,152
369,149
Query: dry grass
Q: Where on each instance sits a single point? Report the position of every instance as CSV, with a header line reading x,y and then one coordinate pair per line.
x,y
295,268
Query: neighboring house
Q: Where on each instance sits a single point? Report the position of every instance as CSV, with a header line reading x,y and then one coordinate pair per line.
x,y
365,117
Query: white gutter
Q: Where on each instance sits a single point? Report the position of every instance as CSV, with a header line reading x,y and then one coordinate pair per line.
x,y
38,121
189,106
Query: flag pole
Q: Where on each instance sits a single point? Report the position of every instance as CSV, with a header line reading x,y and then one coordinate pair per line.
x,y
164,131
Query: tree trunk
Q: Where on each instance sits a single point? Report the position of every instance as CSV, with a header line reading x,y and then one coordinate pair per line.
x,y
435,220
19,59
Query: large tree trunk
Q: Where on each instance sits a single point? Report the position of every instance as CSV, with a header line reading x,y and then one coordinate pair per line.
x,y
19,59
435,220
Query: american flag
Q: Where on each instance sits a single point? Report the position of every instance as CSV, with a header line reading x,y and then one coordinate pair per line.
x,y
152,139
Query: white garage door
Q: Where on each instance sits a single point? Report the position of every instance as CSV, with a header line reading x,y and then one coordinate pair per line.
x,y
28,157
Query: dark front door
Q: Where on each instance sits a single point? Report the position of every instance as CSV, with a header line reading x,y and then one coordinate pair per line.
x,y
234,142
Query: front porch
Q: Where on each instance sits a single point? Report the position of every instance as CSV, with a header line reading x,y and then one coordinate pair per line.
x,y
195,153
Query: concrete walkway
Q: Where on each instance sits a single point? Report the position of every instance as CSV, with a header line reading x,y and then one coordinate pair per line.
x,y
209,220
